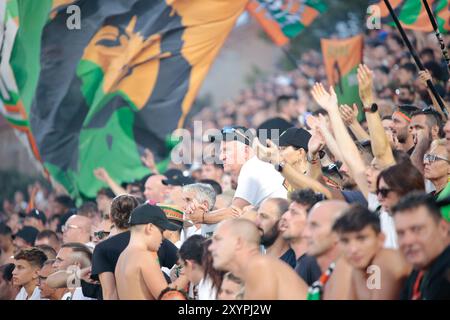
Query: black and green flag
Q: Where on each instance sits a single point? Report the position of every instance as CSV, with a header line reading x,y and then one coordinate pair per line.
x,y
99,93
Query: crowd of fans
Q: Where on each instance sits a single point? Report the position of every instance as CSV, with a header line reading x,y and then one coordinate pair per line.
x,y
332,208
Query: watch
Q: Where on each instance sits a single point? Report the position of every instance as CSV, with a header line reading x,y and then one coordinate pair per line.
x,y
372,109
280,166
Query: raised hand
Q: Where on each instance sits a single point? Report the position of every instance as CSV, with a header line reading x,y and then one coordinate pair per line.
x,y
325,99
349,114
101,174
149,160
269,154
365,82
316,143
424,76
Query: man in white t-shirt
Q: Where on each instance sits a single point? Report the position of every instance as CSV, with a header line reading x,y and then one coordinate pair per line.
x,y
257,180
27,263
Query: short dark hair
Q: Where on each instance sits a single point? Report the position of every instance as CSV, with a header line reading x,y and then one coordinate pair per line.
x,y
47,234
281,203
107,192
306,197
192,249
213,183
401,156
5,230
283,100
402,178
80,248
88,209
409,66
36,257
433,119
65,201
121,208
355,219
49,251
415,200
427,50
6,271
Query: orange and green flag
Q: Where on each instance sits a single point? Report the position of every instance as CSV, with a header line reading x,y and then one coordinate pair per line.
x,y
285,19
341,58
413,15
98,94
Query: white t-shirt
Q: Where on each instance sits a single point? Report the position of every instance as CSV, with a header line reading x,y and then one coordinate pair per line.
x,y
386,222
208,229
259,180
76,295
190,231
23,295
206,290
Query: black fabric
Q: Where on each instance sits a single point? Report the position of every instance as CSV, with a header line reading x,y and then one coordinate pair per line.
x,y
107,253
354,197
289,258
147,213
308,269
435,283
91,290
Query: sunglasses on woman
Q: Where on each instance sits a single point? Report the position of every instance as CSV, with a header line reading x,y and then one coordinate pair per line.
x,y
384,192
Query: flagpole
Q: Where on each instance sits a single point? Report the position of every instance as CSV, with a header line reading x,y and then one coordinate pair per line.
x,y
438,34
415,56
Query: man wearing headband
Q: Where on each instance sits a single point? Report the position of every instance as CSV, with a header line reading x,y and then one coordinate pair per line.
x,y
401,130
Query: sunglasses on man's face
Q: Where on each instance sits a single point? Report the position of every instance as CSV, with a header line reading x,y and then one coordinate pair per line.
x,y
384,192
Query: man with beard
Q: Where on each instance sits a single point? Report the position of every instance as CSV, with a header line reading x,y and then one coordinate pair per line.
x,y
401,120
235,248
268,223
426,126
292,225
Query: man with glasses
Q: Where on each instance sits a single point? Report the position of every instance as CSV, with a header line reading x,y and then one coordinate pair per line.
x,y
48,293
257,180
78,229
138,274
436,166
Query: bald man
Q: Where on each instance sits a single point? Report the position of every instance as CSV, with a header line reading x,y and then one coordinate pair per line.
x,y
78,229
322,243
235,248
155,191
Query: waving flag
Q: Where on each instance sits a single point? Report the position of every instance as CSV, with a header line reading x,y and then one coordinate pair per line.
x,y
122,81
341,58
284,20
413,15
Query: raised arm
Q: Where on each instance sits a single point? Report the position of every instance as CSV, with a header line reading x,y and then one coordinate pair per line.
x,y
103,175
350,117
424,75
381,148
352,158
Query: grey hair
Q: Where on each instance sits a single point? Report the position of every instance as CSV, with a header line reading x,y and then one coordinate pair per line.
x,y
203,192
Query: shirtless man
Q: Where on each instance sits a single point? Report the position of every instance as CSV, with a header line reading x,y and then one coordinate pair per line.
x,y
235,248
322,243
378,273
138,273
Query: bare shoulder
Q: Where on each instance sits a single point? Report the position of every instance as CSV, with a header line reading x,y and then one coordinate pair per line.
x,y
390,259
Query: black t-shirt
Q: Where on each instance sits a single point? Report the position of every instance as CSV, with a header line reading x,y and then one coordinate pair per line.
x,y
107,253
351,196
308,269
435,284
289,258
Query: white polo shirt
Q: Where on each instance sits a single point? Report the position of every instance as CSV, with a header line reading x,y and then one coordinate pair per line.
x,y
23,295
259,180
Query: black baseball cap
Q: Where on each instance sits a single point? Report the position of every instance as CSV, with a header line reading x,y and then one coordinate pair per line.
x,y
147,213
37,214
176,177
295,137
28,234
